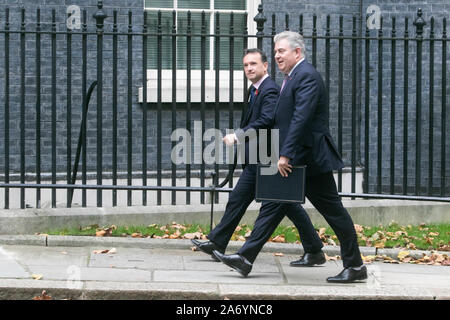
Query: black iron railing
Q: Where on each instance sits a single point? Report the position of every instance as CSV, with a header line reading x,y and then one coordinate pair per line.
x,y
370,120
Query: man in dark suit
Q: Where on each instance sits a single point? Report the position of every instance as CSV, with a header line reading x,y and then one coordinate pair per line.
x,y
301,117
262,99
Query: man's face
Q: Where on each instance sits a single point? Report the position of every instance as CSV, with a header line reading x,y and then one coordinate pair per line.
x,y
285,56
254,68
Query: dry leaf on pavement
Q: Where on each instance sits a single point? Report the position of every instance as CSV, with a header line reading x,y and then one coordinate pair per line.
x,y
37,276
43,296
190,236
279,239
402,255
278,254
102,251
100,233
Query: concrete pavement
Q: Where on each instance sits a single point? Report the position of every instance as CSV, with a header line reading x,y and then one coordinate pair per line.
x,y
149,269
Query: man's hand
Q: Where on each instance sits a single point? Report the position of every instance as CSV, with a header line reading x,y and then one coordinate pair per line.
x,y
284,167
229,139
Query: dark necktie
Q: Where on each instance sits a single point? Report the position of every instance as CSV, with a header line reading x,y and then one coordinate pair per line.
x,y
252,95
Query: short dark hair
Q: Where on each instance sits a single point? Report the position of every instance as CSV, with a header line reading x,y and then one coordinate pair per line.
x,y
256,50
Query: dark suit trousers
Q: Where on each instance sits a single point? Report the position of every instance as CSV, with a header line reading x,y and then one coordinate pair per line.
x,y
241,197
321,191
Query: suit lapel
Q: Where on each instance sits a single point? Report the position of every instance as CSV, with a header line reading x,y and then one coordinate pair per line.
x,y
289,83
252,106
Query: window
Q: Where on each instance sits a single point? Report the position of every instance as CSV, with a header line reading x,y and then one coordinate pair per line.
x,y
181,7
210,7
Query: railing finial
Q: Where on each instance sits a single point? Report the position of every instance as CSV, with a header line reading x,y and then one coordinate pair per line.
x,y
419,23
100,15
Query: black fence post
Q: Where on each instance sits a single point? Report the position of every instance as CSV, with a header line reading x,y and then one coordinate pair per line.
x,y
419,23
260,19
444,104
99,16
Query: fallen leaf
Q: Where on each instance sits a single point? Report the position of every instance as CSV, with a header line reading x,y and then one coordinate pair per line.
x,y
241,238
278,254
37,276
113,251
100,233
238,228
100,251
136,235
411,246
379,245
433,234
368,259
358,228
407,259
446,262
194,248
279,239
402,255
190,236
63,252
248,234
43,296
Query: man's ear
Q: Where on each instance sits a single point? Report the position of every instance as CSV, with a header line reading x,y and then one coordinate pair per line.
x,y
266,65
299,52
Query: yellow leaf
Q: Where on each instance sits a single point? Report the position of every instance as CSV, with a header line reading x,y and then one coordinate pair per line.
x,y
37,276
403,254
379,245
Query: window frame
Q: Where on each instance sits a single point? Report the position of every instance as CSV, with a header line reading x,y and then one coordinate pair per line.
x,y
181,74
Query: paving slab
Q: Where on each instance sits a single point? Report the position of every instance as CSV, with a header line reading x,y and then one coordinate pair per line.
x,y
92,274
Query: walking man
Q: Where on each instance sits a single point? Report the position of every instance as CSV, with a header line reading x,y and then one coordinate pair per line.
x,y
301,117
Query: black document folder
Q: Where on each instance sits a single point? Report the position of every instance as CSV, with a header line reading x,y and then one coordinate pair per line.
x,y
280,189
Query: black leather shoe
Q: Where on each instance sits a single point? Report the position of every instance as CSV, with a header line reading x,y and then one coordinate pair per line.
x,y
208,247
235,261
349,275
309,260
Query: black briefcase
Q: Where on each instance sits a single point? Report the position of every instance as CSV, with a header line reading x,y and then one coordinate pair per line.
x,y
280,189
